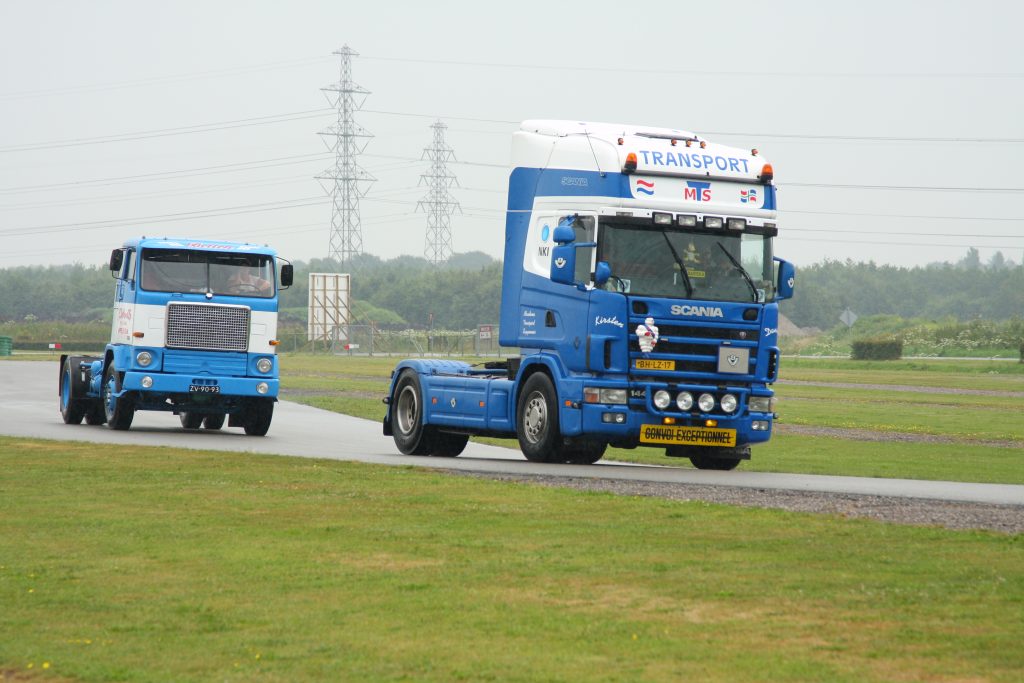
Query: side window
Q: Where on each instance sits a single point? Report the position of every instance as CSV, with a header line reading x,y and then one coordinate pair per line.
x,y
129,265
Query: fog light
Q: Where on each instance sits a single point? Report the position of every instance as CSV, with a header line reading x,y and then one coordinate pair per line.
x,y
147,382
144,358
706,402
262,388
264,365
684,400
614,418
661,399
759,425
729,403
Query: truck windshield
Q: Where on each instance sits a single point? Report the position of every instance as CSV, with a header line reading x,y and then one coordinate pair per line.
x,y
720,265
183,270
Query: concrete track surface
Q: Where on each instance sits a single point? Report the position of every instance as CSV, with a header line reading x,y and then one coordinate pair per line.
x,y
297,430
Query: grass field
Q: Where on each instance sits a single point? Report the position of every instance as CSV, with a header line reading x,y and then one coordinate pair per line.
x,y
135,564
970,424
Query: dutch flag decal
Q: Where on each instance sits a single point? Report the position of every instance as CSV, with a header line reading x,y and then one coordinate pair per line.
x,y
644,187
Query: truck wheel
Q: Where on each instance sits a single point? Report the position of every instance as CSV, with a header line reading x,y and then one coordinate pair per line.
x,y
213,422
585,453
537,420
448,445
407,428
191,420
95,414
119,411
258,418
703,462
71,408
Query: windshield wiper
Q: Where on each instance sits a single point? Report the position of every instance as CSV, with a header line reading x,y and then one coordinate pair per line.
x,y
743,272
679,262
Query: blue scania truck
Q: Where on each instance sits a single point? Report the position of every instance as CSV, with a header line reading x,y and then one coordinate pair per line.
x,y
641,287
194,333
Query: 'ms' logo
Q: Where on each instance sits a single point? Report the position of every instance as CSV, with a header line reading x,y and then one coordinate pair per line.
x,y
697,192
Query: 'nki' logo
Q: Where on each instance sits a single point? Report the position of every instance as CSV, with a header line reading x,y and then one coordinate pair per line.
x,y
697,192
748,196
644,187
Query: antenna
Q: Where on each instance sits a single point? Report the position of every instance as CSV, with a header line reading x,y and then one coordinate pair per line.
x,y
439,204
347,140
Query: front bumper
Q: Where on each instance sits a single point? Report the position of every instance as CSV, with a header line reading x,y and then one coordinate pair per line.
x,y
214,386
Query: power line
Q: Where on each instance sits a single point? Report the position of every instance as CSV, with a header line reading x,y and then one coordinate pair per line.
x,y
165,132
704,72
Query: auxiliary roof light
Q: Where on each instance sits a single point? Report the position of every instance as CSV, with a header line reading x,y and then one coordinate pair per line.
x,y
673,142
753,152
689,143
662,218
736,223
713,222
620,142
687,221
703,144
630,164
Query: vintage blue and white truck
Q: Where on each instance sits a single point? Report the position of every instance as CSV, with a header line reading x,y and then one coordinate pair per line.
x,y
194,333
641,287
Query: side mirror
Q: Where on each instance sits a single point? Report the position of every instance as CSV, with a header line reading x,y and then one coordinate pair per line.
x,y
602,272
116,260
563,262
786,280
563,235
287,274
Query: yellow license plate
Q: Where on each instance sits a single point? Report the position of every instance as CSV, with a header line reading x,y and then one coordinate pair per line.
x,y
689,436
648,364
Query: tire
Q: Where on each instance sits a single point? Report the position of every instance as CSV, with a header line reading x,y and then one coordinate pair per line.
x,y
585,453
537,420
72,408
258,417
214,422
191,420
95,414
703,462
447,445
118,411
407,428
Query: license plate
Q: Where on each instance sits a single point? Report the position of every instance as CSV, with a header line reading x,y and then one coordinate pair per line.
x,y
650,364
690,436
203,389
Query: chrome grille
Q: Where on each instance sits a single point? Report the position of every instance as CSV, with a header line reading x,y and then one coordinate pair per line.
x,y
207,326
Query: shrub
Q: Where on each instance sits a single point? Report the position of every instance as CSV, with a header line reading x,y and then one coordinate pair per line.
x,y
877,348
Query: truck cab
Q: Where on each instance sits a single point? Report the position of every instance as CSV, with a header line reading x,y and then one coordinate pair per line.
x,y
641,286
194,332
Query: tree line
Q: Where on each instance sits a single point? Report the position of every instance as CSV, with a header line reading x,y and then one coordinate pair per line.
x,y
466,291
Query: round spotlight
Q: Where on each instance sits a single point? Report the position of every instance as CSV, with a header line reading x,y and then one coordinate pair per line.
x,y
144,358
262,388
661,399
264,365
684,400
729,403
706,402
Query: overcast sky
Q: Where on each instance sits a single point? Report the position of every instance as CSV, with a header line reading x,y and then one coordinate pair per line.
x,y
895,128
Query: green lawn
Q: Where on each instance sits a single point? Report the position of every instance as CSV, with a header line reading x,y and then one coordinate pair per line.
x,y
140,564
355,385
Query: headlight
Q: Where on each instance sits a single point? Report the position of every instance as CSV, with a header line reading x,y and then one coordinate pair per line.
x,y
729,403
684,400
604,395
761,404
661,399
144,358
706,402
264,365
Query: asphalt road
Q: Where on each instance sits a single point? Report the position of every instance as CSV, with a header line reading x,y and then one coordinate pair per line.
x,y
31,410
